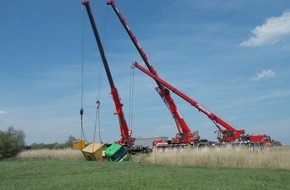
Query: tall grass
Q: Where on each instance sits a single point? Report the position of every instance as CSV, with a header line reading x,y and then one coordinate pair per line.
x,y
238,158
51,154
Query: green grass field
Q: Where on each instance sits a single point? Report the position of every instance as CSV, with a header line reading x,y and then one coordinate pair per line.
x,y
58,174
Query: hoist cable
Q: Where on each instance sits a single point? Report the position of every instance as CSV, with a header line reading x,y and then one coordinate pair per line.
x,y
99,91
131,99
98,120
82,78
106,21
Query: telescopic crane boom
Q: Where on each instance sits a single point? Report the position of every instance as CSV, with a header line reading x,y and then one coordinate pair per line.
x,y
126,138
229,133
184,134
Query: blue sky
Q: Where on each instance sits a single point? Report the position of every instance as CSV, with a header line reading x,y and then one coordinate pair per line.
x,y
230,56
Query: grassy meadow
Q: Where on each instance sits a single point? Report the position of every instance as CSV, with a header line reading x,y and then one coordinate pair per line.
x,y
187,169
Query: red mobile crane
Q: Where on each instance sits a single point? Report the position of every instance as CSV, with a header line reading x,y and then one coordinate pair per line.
x,y
126,138
184,134
227,133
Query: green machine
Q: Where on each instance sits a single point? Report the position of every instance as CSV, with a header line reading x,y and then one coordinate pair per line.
x,y
117,153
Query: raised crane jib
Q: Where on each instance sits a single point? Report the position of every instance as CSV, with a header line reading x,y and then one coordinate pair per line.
x,y
126,138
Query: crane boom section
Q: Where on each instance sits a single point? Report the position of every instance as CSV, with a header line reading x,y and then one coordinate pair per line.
x,y
211,115
164,93
184,134
134,39
125,133
168,102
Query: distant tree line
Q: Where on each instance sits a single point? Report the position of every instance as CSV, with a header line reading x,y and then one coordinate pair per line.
x,y
68,144
12,141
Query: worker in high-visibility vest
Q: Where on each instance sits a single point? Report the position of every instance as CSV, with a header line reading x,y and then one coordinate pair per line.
x,y
103,156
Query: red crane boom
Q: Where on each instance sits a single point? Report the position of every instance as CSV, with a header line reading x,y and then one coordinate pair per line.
x,y
126,138
229,133
184,134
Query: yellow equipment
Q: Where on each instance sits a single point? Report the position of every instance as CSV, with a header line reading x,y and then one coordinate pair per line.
x,y
94,151
79,145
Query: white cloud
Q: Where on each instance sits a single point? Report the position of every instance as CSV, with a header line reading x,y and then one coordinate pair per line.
x,y
3,112
264,75
272,31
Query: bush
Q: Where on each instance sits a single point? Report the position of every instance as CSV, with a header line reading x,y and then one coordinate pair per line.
x,y
11,142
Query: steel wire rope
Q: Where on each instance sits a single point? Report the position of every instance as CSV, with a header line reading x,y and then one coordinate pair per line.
x,y
98,103
100,82
131,99
82,77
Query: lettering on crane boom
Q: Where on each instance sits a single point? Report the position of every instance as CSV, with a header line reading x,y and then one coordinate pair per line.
x,y
203,109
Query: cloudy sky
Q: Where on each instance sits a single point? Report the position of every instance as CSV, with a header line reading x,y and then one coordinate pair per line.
x,y
231,56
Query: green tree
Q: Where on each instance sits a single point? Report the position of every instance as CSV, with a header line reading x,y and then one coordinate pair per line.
x,y
70,141
12,142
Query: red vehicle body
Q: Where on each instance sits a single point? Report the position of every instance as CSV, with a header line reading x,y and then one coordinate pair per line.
x,y
264,140
227,132
184,134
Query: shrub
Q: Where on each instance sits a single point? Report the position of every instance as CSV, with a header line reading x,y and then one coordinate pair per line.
x,y
11,142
